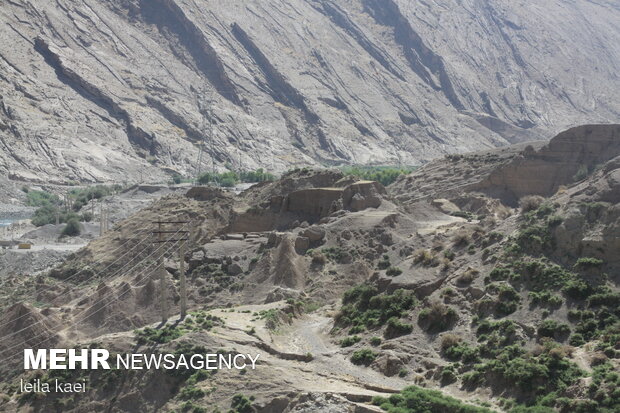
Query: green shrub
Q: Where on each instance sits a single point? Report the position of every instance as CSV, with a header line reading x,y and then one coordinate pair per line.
x,y
46,215
497,334
349,341
190,406
577,289
258,175
86,217
375,341
437,317
364,306
588,262
335,254
393,271
384,263
537,374
383,174
534,239
72,229
532,409
607,298
553,329
414,399
228,181
41,198
231,178
492,238
539,276
396,328
577,340
530,203
191,393
448,374
500,274
82,196
545,298
508,300
364,357
241,404
458,350
604,388
159,336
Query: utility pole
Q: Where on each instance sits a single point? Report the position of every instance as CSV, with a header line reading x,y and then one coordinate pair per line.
x,y
162,272
106,216
101,218
162,280
183,287
106,221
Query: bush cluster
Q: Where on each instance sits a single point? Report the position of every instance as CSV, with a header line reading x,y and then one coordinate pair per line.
x,y
231,178
383,174
364,357
414,399
396,328
365,306
349,341
437,317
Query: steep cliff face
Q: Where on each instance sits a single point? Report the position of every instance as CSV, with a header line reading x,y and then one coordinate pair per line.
x,y
109,90
568,158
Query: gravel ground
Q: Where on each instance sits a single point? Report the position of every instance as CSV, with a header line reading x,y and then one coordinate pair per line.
x,y
14,262
14,212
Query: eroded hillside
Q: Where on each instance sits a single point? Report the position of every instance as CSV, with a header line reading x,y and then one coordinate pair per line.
x,y
351,292
124,90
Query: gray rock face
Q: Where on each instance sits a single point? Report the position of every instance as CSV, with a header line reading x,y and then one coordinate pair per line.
x,y
120,89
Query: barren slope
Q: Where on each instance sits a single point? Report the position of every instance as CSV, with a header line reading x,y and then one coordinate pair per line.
x,y
110,90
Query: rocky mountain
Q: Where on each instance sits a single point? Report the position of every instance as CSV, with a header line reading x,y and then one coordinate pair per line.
x,y
130,89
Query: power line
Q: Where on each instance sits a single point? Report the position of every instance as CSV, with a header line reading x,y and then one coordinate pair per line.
x,y
92,276
111,278
81,313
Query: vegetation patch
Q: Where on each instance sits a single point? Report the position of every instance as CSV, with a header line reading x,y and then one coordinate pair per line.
x,y
364,357
553,329
414,399
198,321
158,336
396,328
232,178
242,404
386,175
393,271
365,306
437,317
349,341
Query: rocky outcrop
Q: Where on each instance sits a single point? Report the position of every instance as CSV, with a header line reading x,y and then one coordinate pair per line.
x,y
23,325
569,157
315,202
362,195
